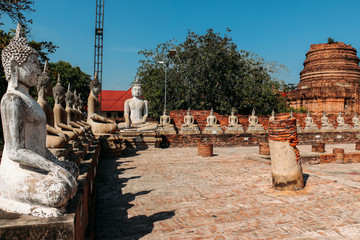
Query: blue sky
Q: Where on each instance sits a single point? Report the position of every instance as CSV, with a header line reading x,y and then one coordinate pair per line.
x,y
276,30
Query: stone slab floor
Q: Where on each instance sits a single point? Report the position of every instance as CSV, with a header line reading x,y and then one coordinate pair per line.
x,y
174,194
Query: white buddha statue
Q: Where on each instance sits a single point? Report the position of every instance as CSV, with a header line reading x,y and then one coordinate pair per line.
x,y
341,122
254,123
165,120
272,117
189,126
32,180
234,126
325,124
356,121
136,118
309,123
212,127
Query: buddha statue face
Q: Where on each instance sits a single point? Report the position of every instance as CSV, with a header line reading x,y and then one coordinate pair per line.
x,y
232,112
211,112
164,112
29,71
136,91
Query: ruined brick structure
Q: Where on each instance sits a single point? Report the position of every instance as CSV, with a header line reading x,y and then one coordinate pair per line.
x,y
330,80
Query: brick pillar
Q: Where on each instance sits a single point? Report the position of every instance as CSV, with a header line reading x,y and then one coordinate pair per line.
x,y
264,148
205,149
286,167
339,155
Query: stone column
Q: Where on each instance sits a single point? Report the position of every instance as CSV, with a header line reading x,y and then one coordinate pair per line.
x,y
286,167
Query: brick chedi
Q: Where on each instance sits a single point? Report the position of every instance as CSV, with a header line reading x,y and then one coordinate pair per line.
x,y
330,80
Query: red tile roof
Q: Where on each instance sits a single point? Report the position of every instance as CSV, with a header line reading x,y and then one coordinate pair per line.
x,y
113,101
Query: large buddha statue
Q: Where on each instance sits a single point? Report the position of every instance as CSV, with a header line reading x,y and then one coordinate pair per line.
x,y
98,123
54,138
309,123
341,122
136,118
325,124
32,180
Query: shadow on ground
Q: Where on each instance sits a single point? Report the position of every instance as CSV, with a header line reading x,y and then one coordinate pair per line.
x,y
112,221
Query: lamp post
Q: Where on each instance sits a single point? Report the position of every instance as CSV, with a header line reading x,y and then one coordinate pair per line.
x,y
166,66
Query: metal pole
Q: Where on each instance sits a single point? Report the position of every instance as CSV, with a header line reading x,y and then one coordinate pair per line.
x,y
165,88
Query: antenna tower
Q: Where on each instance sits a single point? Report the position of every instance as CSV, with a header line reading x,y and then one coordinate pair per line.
x,y
99,29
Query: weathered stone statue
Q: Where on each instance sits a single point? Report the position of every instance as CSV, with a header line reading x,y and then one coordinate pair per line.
x,y
356,121
32,181
78,112
136,119
272,117
325,124
165,127
212,127
341,122
234,126
309,123
189,127
254,125
98,123
54,138
71,114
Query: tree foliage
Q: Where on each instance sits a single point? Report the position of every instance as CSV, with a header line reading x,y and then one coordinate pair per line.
x,y
209,72
16,10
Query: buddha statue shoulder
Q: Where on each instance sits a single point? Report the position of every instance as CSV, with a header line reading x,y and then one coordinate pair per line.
x,y
32,181
136,111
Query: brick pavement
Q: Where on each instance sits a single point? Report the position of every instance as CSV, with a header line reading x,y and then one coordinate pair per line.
x,y
174,194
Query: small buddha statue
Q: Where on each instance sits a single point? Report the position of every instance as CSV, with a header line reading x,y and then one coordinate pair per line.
x,y
272,117
136,118
356,121
165,120
71,114
60,115
211,120
32,180
189,126
54,138
341,122
309,123
254,123
234,126
77,115
325,124
98,123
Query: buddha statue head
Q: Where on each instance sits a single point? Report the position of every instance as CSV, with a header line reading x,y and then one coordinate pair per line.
x,y
136,89
69,97
324,114
59,91
188,111
232,112
211,112
164,112
44,84
95,86
253,112
20,61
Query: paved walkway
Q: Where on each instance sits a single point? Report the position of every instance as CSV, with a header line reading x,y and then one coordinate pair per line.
x,y
174,194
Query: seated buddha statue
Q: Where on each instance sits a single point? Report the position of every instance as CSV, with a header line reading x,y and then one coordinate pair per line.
x,y
54,138
189,120
98,123
60,115
325,124
32,180
234,126
211,120
356,121
341,122
136,118
309,123
71,114
165,120
272,117
79,115
254,123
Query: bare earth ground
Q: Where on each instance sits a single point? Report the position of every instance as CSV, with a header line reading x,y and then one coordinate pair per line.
x,y
174,194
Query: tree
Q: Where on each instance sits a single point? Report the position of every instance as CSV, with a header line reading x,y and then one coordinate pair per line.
x,y
209,72
16,10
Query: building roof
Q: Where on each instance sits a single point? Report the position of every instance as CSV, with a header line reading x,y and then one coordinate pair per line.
x,y
113,101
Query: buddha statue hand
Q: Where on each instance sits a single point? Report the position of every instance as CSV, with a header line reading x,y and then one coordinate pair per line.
x,y
67,176
64,136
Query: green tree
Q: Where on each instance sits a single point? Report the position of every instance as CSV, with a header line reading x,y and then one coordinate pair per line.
x,y
209,72
78,79
16,10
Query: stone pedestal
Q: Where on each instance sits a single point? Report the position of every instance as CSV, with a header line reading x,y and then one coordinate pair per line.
x,y
339,155
212,130
205,149
140,140
285,158
189,130
255,129
264,148
234,130
166,130
110,143
318,147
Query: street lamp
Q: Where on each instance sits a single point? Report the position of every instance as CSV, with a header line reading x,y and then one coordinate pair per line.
x,y
171,53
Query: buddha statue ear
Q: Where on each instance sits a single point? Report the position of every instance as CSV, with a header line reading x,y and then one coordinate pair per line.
x,y
14,79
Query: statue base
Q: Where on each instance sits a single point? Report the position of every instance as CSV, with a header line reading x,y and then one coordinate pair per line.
x,y
343,127
327,128
189,130
255,129
110,143
166,130
140,140
212,130
234,130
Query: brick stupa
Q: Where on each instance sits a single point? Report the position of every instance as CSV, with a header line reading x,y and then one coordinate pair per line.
x,y
330,80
